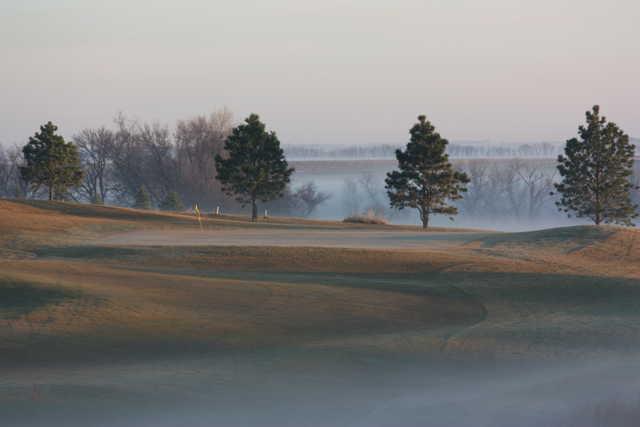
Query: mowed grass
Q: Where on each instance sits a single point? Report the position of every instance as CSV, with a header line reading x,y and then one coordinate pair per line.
x,y
65,296
26,225
128,311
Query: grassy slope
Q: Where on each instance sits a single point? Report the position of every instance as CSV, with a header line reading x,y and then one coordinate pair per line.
x,y
554,293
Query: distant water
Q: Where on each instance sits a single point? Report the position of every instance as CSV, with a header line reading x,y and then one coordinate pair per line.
x,y
359,184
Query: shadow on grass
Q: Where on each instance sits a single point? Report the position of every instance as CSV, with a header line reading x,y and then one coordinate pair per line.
x,y
553,292
20,298
578,293
577,236
89,252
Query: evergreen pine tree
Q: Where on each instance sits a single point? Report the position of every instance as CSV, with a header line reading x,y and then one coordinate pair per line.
x,y
254,167
596,172
426,180
142,199
172,202
52,162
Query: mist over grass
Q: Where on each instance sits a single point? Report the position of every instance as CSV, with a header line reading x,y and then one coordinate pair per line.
x,y
508,194
133,318
328,388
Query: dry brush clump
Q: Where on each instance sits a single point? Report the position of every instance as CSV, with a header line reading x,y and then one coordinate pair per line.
x,y
368,218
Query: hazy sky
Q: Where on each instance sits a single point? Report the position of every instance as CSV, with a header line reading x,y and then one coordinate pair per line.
x,y
323,71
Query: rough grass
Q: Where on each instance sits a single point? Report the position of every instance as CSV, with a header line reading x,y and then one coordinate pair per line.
x,y
136,310
549,294
283,259
28,224
93,321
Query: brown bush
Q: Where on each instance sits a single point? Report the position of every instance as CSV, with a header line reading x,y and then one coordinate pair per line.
x,y
369,218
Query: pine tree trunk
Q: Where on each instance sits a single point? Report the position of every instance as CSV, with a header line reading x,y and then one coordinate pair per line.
x,y
254,210
425,220
50,192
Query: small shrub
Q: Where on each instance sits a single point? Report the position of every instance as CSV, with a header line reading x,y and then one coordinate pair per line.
x,y
142,199
172,203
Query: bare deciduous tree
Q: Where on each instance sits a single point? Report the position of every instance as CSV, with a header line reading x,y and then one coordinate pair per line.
x,y
635,192
5,173
516,188
198,141
12,184
307,198
513,187
351,197
143,155
538,184
374,198
95,147
478,189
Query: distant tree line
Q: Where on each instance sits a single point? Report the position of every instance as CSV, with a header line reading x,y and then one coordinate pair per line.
x,y
206,161
140,165
596,175
521,187
454,150
11,183
514,190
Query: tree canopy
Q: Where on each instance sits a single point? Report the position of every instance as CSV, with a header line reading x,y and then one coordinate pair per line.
x,y
596,172
425,180
52,162
253,166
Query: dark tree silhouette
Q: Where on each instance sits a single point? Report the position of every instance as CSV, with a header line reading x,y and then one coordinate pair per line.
x,y
142,199
52,162
253,167
425,181
596,173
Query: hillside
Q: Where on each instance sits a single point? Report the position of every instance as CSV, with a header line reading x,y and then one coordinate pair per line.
x,y
80,262
154,299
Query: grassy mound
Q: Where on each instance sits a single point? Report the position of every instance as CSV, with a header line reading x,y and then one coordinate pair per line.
x,y
97,212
